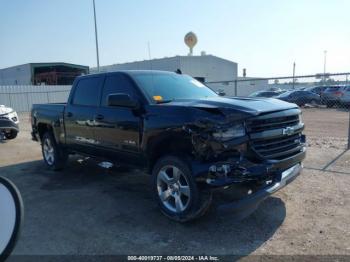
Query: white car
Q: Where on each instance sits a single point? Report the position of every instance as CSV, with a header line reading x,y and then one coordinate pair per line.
x,y
8,122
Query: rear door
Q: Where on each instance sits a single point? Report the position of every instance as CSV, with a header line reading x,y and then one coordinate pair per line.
x,y
118,129
80,114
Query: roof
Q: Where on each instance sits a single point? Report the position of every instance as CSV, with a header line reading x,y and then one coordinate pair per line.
x,y
42,64
172,57
131,72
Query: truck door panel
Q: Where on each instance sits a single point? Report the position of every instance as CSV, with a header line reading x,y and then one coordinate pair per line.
x,y
117,129
80,112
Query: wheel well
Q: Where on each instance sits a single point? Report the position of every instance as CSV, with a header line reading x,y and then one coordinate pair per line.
x,y
43,128
173,145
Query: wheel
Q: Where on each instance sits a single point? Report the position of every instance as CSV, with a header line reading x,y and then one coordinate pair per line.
x,y
176,190
11,135
54,157
313,102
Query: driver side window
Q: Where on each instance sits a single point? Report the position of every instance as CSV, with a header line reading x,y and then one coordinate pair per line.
x,y
117,83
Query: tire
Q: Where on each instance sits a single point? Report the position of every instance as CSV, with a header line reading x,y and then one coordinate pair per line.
x,y
11,135
313,102
54,156
176,190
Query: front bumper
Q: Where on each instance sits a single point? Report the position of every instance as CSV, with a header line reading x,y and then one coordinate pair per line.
x,y
7,125
242,187
249,203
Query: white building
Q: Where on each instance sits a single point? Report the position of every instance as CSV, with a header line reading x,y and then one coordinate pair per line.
x,y
205,68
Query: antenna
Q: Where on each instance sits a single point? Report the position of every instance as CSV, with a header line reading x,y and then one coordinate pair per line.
x,y
149,54
150,61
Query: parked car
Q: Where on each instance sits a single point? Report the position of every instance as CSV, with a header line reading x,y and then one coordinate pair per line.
x,y
317,89
331,96
300,97
190,139
264,94
8,123
345,97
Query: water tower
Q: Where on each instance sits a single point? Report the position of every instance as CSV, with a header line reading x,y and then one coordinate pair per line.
x,y
190,40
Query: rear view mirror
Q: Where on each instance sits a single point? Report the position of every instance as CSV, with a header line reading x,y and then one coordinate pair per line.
x,y
122,100
11,210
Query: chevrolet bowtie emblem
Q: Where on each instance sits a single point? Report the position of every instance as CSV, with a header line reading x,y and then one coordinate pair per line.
x,y
288,131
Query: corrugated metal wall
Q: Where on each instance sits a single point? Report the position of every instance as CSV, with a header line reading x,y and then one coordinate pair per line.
x,y
21,98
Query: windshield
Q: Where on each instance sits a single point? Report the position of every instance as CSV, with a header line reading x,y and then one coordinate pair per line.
x,y
255,94
162,87
285,94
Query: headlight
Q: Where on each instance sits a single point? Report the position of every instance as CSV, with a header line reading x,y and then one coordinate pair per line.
x,y
300,118
230,133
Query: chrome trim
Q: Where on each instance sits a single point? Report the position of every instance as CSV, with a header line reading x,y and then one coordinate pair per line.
x,y
276,132
285,177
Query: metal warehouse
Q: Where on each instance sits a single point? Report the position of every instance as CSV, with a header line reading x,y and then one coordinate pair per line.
x,y
42,73
205,68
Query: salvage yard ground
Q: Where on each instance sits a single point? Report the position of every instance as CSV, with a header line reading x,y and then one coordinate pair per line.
x,y
90,210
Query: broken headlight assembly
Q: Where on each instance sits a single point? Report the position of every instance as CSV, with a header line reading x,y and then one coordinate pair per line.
x,y
229,133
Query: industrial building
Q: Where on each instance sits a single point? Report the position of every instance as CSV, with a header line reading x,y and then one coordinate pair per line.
x,y
205,68
42,73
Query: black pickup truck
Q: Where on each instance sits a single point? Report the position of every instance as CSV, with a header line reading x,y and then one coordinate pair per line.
x,y
191,140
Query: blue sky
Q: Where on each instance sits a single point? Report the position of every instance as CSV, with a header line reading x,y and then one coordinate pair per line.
x,y
264,36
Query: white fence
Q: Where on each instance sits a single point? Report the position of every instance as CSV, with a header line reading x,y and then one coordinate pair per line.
x,y
21,98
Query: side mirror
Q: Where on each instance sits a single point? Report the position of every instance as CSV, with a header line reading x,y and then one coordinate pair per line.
x,y
221,92
11,210
122,100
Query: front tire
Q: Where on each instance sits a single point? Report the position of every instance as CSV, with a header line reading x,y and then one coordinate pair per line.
x,y
54,157
11,135
176,190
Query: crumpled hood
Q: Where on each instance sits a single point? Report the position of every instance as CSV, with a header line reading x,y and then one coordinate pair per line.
x,y
251,106
5,110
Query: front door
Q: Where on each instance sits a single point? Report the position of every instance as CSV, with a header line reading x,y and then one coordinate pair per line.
x,y
118,129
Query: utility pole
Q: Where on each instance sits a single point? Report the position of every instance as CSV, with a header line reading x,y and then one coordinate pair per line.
x,y
293,75
96,38
324,66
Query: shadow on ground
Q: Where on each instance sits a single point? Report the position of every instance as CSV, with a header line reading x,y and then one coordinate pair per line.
x,y
89,210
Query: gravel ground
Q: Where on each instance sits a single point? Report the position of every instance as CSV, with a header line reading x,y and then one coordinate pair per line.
x,y
90,210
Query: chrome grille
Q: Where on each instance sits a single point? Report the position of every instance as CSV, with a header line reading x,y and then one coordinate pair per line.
x,y
275,147
258,125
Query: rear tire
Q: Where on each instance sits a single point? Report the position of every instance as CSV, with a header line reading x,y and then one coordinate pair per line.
x,y
11,135
176,190
54,156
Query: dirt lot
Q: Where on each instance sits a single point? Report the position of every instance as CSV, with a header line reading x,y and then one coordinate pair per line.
x,y
89,210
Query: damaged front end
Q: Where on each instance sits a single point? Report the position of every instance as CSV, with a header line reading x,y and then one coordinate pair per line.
x,y
224,153
248,165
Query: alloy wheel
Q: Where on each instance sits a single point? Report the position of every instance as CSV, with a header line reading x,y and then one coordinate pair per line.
x,y
49,153
173,189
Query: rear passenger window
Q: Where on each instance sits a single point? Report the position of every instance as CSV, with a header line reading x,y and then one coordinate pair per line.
x,y
87,92
117,84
